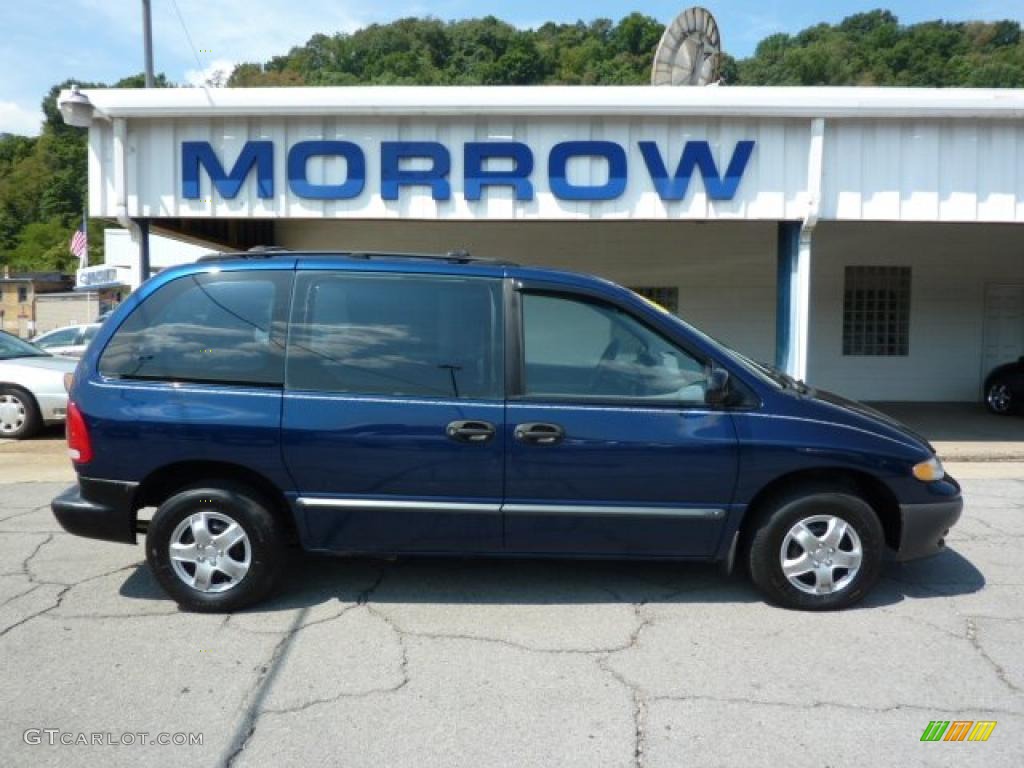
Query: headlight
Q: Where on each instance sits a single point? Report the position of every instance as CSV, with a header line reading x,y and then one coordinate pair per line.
x,y
929,471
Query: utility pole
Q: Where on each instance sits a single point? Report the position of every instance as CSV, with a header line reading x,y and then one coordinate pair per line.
x,y
147,43
147,40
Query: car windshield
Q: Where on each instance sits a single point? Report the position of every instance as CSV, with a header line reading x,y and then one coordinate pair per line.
x,y
12,347
764,371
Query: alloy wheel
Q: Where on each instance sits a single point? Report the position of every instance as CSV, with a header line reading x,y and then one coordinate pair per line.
x,y
210,552
821,554
999,398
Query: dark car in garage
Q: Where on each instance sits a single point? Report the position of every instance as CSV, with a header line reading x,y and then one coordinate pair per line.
x,y
1004,389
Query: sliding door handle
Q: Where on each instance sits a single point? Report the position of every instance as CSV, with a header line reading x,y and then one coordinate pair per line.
x,y
539,433
470,431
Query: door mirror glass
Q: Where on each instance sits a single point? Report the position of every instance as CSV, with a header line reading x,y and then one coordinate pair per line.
x,y
717,392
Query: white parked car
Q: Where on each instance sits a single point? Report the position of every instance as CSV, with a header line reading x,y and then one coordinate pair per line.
x,y
70,341
32,389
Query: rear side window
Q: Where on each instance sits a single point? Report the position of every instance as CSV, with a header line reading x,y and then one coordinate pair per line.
x,y
61,338
220,327
401,335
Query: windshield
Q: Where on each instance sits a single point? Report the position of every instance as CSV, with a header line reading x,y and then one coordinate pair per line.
x,y
12,347
767,373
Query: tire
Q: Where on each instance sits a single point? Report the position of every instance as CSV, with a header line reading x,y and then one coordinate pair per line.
x,y
820,510
227,575
999,397
19,413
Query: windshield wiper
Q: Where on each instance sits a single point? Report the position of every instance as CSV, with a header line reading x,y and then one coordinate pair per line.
x,y
786,380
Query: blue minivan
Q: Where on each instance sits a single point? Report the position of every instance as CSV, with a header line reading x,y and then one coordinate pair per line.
x,y
383,404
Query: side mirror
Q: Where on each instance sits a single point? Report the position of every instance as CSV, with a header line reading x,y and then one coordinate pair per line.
x,y
717,392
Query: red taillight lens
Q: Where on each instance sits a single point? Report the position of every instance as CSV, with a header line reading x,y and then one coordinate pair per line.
x,y
79,444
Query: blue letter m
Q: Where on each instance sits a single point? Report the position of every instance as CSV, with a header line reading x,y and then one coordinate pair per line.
x,y
696,154
200,153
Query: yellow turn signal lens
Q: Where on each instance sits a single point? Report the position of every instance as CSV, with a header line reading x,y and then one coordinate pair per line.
x,y
929,471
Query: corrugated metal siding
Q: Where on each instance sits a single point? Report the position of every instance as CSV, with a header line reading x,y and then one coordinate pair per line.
x,y
881,169
772,187
924,170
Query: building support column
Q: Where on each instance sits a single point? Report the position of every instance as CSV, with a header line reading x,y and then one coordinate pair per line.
x,y
793,309
144,270
788,238
793,306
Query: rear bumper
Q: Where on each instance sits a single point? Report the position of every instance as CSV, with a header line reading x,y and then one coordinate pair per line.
x,y
98,509
924,527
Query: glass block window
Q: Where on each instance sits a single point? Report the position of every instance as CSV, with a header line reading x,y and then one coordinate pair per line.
x,y
876,311
665,295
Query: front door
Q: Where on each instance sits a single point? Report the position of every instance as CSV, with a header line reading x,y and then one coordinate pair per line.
x,y
611,449
393,411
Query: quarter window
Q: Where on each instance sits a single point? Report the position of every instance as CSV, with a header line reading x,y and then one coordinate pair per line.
x,y
579,349
876,311
212,327
399,335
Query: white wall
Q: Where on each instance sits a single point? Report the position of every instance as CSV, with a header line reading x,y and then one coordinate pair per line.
x,y
950,267
725,272
55,310
120,251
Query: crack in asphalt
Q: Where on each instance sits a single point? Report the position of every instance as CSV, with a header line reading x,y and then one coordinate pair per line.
x,y
24,512
32,588
971,630
268,672
403,670
975,641
260,688
833,704
636,692
64,587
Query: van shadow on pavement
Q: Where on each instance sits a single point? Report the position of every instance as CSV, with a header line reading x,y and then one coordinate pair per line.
x,y
316,579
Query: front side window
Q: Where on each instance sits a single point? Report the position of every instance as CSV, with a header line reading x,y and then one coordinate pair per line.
x,y
218,327
398,335
575,348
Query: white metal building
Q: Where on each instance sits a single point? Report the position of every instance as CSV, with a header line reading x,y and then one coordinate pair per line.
x,y
866,239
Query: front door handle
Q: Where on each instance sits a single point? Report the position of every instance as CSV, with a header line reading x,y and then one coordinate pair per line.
x,y
539,433
470,431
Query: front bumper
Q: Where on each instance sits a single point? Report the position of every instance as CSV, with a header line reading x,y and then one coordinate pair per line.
x,y
924,527
52,406
98,509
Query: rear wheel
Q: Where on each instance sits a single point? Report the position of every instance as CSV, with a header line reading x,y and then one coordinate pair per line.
x,y
816,550
999,397
19,414
216,547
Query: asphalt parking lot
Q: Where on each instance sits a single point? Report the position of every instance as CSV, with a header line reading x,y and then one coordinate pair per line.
x,y
463,663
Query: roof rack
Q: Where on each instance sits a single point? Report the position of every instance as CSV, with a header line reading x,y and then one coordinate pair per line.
x,y
265,251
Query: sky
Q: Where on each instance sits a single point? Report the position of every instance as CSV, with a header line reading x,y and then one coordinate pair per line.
x,y
47,41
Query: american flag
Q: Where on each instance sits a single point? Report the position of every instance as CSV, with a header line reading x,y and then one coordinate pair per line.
x,y
80,245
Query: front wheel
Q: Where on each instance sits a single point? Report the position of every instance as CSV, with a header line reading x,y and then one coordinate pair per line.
x,y
999,397
816,550
19,414
215,547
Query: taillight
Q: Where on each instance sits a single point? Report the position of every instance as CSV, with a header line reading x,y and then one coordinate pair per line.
x,y
79,444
